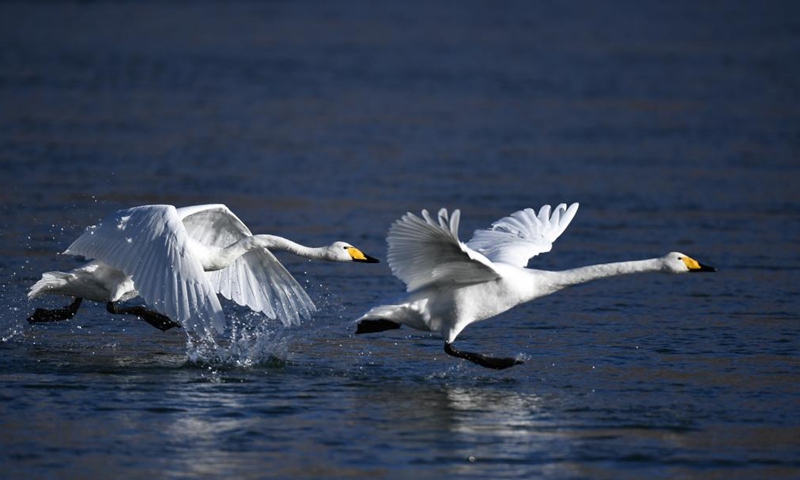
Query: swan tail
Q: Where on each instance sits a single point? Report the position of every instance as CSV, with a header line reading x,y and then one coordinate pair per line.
x,y
50,283
389,317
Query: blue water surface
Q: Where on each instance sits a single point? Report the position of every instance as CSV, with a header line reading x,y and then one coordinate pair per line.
x,y
674,124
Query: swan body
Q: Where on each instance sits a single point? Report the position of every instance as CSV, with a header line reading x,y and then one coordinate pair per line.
x,y
178,260
451,284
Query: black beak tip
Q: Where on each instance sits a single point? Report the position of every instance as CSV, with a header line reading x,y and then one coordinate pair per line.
x,y
707,268
369,259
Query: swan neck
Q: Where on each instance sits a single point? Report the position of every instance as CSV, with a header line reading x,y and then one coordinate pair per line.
x,y
219,258
280,244
580,275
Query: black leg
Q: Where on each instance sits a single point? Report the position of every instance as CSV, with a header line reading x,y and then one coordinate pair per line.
x,y
42,315
373,326
482,360
158,320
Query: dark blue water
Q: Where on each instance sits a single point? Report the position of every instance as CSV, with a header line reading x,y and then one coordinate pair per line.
x,y
675,124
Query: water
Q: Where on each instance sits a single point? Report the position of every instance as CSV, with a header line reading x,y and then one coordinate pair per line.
x,y
675,125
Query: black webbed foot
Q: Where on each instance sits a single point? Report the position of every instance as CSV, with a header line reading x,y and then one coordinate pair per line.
x,y
158,320
161,322
374,326
482,360
41,315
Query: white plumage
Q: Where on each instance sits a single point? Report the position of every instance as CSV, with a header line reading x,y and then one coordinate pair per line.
x,y
523,235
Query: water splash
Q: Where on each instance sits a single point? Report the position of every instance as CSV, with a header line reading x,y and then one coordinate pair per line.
x,y
9,330
250,340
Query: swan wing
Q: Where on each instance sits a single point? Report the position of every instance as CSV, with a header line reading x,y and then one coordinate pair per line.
x,y
213,225
524,234
257,279
260,282
150,244
423,252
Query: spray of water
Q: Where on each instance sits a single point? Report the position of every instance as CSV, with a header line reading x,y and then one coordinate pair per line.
x,y
250,340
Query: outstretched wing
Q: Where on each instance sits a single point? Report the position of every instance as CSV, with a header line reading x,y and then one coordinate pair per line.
x,y
423,252
149,244
522,235
257,279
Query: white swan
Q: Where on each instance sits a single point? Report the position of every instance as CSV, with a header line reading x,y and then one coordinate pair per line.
x,y
451,284
177,260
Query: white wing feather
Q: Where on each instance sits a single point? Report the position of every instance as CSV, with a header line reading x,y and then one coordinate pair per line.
x,y
257,279
423,252
150,244
524,234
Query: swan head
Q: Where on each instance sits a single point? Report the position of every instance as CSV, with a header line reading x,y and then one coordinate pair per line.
x,y
676,262
344,252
